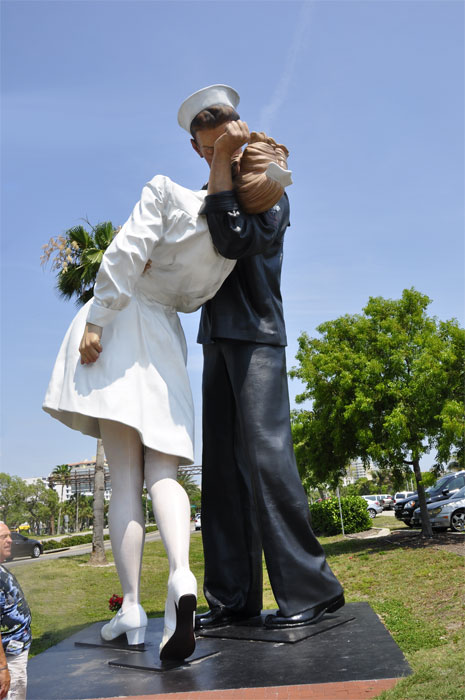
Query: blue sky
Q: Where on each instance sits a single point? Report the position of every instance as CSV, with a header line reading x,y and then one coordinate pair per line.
x,y
367,95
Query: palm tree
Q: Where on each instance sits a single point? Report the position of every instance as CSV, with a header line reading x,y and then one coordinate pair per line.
x,y
76,255
61,475
186,479
81,514
98,556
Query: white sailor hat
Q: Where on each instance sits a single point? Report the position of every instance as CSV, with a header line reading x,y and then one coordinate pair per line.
x,y
206,97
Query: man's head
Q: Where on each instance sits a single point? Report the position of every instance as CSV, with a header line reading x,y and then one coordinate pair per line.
x,y
5,542
207,126
205,115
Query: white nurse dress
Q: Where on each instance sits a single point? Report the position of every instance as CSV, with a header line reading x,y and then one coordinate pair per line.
x,y
140,378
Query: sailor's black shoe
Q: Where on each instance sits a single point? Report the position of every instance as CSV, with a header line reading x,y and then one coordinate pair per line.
x,y
220,617
306,617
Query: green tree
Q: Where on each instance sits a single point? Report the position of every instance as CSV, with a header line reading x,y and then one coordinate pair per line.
x,y
42,504
383,481
186,479
13,495
49,508
364,486
386,386
147,507
61,475
79,511
76,256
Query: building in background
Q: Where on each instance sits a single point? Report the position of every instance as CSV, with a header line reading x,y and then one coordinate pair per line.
x,y
81,480
356,471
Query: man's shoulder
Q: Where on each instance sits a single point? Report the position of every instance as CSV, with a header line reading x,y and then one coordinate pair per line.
x,y
278,215
6,579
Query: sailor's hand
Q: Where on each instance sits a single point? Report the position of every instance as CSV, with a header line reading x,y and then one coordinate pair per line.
x,y
235,136
90,347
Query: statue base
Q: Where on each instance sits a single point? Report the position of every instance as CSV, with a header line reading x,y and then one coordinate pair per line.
x,y
349,645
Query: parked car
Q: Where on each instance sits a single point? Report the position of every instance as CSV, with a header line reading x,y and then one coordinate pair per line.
x,y
442,490
402,495
24,546
387,501
374,506
198,521
450,513
378,497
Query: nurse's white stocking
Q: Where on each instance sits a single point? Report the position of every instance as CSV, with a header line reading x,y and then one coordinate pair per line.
x,y
125,455
172,513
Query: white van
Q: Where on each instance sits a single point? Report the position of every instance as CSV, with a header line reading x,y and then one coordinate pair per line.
x,y
401,495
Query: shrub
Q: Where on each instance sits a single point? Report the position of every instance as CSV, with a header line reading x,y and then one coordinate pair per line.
x,y
79,539
326,519
51,544
75,539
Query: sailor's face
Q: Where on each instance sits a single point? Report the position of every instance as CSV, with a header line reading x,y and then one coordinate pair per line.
x,y
204,142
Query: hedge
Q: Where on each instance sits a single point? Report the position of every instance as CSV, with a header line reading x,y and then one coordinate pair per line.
x,y
79,539
326,519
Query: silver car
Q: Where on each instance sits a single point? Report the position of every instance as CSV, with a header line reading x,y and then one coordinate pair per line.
x,y
374,505
444,514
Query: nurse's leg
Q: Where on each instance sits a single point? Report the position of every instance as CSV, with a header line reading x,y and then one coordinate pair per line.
x,y
125,453
172,514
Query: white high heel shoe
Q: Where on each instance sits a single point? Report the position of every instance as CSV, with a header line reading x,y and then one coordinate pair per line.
x,y
132,621
178,640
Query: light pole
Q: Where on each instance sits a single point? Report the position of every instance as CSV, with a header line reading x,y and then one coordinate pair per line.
x,y
340,510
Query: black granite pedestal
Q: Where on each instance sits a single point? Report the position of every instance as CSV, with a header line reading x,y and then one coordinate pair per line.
x,y
349,645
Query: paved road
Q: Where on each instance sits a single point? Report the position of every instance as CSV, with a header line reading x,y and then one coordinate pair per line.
x,y
75,551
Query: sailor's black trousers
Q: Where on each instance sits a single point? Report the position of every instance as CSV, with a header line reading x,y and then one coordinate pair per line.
x,y
252,496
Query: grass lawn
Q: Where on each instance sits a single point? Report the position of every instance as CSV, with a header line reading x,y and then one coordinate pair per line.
x,y
389,521
417,592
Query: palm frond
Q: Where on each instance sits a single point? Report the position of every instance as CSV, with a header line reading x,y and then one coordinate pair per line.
x,y
92,256
85,296
80,235
103,234
69,281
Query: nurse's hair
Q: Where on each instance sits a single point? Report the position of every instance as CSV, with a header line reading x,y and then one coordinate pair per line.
x,y
212,117
256,191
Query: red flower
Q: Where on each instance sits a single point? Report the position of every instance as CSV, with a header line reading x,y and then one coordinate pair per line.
x,y
115,602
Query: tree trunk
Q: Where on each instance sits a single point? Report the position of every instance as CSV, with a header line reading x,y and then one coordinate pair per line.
x,y
98,556
426,529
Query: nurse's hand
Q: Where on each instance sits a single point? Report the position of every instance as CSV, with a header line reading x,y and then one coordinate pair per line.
x,y
90,347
